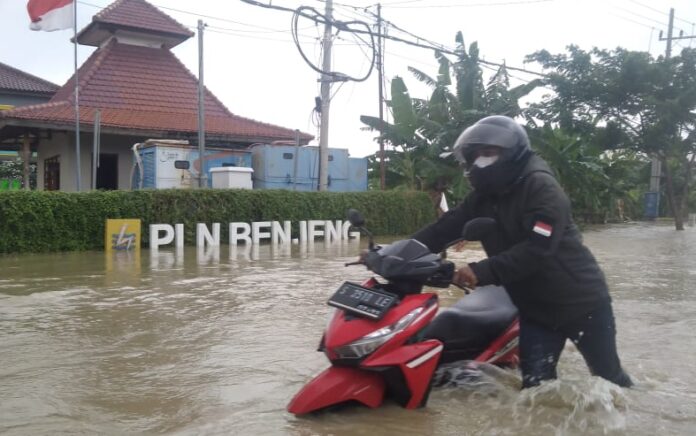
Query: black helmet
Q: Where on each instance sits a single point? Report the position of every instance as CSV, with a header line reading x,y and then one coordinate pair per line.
x,y
496,131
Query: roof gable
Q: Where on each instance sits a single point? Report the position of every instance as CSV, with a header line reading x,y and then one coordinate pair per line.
x,y
14,80
133,77
133,17
146,89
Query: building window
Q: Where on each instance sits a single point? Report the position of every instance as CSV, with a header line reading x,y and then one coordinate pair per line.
x,y
52,173
287,155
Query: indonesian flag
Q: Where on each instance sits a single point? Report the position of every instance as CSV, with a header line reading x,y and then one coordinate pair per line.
x,y
50,15
543,228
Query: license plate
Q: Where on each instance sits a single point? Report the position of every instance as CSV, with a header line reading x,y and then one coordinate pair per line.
x,y
362,301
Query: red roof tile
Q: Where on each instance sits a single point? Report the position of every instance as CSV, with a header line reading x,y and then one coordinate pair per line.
x,y
140,14
148,89
14,80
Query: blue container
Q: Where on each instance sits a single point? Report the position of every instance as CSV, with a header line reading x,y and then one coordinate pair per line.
x,y
172,165
651,205
297,168
357,168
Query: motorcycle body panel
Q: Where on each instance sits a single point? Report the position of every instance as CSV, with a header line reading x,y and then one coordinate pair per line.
x,y
416,362
345,328
336,385
504,351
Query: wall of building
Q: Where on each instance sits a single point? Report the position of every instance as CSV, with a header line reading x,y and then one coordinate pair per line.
x,y
48,148
63,144
20,100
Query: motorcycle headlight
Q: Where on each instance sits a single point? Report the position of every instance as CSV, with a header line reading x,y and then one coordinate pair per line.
x,y
370,342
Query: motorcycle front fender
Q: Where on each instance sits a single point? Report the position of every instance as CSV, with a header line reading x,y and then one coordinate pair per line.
x,y
338,385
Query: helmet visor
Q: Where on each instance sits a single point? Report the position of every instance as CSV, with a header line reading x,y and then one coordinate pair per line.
x,y
482,135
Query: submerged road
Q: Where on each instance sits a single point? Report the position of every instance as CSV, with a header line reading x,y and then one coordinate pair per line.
x,y
217,343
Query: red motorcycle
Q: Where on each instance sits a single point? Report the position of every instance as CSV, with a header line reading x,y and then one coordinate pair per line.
x,y
386,339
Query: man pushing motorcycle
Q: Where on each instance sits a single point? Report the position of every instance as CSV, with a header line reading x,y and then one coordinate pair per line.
x,y
536,252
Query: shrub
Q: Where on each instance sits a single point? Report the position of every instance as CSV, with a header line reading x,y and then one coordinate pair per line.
x,y
36,221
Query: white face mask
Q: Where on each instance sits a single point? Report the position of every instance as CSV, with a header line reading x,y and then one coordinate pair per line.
x,y
484,161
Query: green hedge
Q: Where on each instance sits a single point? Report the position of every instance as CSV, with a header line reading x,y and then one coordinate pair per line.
x,y
36,221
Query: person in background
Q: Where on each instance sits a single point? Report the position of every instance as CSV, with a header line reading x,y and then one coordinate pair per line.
x,y
536,252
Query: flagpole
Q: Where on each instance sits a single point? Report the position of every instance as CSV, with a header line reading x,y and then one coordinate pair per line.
x,y
77,103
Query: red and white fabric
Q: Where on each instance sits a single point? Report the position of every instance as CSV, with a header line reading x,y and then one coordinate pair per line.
x,y
50,15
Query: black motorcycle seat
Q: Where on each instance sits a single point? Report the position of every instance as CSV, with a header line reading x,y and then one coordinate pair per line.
x,y
472,323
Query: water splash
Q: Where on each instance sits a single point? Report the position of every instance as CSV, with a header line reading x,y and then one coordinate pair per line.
x,y
468,374
583,406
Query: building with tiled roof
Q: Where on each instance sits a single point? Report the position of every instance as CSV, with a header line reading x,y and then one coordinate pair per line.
x,y
18,88
141,90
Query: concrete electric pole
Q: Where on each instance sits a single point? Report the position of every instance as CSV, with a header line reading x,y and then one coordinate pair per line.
x,y
380,72
202,174
652,199
325,80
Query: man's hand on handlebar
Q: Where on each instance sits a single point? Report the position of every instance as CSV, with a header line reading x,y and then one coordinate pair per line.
x,y
465,278
361,258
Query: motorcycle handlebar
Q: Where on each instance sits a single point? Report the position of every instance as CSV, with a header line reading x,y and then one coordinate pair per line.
x,y
357,262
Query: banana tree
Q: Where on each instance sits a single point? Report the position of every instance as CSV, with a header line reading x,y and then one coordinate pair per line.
x,y
601,184
423,129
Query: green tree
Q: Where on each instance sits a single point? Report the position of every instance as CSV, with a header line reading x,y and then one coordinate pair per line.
x,y
603,185
423,129
632,102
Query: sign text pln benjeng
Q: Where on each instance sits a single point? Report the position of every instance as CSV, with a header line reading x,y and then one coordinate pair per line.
x,y
275,232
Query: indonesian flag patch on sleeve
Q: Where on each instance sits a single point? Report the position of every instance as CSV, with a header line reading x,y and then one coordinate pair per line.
x,y
542,228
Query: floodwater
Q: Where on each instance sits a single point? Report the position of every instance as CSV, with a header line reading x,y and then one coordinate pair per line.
x,y
218,343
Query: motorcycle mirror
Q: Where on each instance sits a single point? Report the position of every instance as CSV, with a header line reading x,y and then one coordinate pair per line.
x,y
356,219
477,228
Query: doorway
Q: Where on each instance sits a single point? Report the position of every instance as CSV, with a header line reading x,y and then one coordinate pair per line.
x,y
52,173
107,173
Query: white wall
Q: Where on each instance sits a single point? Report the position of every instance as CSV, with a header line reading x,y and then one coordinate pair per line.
x,y
49,148
63,144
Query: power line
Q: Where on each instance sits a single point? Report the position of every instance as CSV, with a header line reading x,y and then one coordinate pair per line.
x,y
658,11
403,2
661,23
216,18
439,47
473,5
319,20
430,64
418,38
314,15
632,20
232,32
260,31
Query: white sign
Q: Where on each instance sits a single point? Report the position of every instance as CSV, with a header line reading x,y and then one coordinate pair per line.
x,y
253,234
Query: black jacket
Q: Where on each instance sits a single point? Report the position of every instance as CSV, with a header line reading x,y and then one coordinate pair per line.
x,y
537,252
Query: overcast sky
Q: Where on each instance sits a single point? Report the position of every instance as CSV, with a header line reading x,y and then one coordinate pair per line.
x,y
254,68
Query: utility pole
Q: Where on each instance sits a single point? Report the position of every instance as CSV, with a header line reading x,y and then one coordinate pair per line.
x,y
325,80
96,147
78,165
380,72
202,174
652,198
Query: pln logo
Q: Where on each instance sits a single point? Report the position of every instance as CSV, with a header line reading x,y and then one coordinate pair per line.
x,y
123,240
122,234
